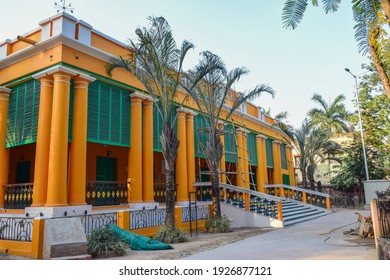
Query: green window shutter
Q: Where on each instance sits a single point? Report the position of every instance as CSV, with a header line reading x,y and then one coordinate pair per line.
x,y
252,149
108,114
283,156
230,145
201,137
269,153
286,179
157,128
23,111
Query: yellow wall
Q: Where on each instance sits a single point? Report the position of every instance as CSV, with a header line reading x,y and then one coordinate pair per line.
x,y
20,154
106,45
252,110
19,45
119,153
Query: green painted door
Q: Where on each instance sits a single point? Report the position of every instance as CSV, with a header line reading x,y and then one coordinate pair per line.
x,y
286,179
23,172
105,169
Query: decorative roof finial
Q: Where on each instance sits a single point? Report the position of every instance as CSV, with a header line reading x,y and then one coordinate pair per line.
x,y
62,6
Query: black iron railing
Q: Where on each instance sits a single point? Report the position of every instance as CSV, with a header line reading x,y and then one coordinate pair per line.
x,y
105,193
201,213
16,229
147,218
18,196
95,221
160,193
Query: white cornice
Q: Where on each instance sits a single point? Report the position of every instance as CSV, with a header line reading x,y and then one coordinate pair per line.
x,y
141,96
185,110
5,89
58,68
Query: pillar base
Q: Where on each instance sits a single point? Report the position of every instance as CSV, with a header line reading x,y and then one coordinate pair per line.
x,y
56,212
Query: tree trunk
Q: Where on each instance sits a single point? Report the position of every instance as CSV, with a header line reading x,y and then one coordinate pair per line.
x,y
169,146
386,9
380,68
215,194
170,188
304,183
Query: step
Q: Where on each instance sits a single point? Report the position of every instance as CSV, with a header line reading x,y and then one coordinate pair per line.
x,y
303,219
302,215
301,212
294,206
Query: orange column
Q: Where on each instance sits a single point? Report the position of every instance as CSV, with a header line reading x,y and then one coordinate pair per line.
x,y
190,151
135,152
261,171
277,162
43,142
181,162
290,162
58,156
78,147
147,155
4,152
223,160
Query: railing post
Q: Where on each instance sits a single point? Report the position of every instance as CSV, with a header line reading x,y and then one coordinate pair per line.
x,y
304,198
280,211
247,201
281,191
123,218
328,203
37,238
376,227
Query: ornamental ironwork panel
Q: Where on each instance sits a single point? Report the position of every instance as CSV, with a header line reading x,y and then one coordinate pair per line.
x,y
147,218
235,198
104,193
95,221
16,229
202,213
263,206
316,200
160,193
18,196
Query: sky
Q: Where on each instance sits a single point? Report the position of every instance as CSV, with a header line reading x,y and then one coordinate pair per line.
x,y
295,63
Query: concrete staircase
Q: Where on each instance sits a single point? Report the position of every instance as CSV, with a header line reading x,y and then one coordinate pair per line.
x,y
295,212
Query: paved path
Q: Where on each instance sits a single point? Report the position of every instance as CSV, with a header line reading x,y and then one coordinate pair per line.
x,y
321,239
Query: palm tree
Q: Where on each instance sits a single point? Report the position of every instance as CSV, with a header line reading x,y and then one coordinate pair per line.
x,y
157,62
331,117
313,145
210,96
371,17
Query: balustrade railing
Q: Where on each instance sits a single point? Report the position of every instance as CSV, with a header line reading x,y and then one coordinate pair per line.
x,y
105,193
16,229
299,194
160,193
253,201
18,196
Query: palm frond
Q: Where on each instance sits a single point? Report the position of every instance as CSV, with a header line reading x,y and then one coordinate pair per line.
x,y
331,5
293,12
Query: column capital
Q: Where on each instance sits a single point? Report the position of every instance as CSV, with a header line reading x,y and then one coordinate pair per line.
x,y
277,142
187,111
142,96
260,137
65,70
4,93
242,130
148,103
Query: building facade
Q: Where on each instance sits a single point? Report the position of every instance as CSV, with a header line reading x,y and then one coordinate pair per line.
x,y
70,136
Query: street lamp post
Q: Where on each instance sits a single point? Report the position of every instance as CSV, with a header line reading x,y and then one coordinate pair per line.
x,y
360,123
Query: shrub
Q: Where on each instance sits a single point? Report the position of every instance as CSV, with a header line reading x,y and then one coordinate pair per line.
x,y
218,224
171,236
103,243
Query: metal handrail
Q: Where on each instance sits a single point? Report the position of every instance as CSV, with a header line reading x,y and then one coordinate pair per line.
x,y
250,192
296,189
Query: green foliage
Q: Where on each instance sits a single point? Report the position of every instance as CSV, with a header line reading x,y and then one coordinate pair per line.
x,y
171,236
352,171
103,243
218,224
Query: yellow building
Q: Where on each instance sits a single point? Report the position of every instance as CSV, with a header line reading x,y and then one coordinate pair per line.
x,y
71,137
